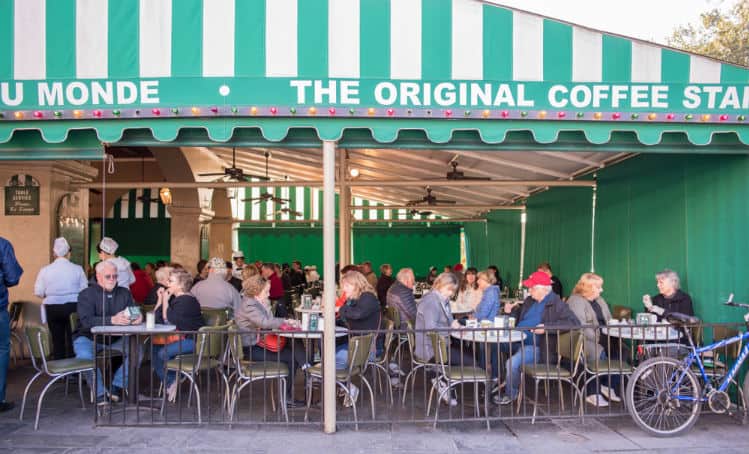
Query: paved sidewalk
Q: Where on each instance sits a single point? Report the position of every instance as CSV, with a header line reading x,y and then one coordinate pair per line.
x,y
72,432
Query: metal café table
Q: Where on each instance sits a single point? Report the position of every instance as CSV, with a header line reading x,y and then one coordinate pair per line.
x,y
504,335
132,332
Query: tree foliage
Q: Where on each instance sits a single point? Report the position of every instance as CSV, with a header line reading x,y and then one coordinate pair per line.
x,y
721,34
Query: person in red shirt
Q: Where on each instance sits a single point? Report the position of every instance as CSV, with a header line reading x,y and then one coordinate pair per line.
x,y
277,294
142,285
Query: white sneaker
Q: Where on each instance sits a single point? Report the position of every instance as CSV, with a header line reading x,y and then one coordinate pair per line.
x,y
610,394
171,391
396,370
350,398
446,396
597,400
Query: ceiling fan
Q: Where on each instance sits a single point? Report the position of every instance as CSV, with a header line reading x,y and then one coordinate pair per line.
x,y
415,212
430,200
456,174
235,173
288,211
265,197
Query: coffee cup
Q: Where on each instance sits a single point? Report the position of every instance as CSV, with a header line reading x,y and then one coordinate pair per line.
x,y
500,322
150,320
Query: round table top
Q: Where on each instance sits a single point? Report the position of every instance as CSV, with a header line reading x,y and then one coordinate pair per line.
x,y
660,332
310,310
459,309
478,335
339,332
133,329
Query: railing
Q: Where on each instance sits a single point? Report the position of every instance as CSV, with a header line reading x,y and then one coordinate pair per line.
x,y
561,373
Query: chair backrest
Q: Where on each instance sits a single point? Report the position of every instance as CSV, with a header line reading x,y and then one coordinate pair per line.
x,y
621,312
440,348
210,342
214,317
234,346
15,312
37,338
73,321
358,352
393,314
570,347
724,332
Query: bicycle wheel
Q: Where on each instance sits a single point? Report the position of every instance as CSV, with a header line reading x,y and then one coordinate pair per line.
x,y
659,402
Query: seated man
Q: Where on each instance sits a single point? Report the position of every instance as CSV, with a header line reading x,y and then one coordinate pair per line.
x,y
214,292
542,309
104,303
400,296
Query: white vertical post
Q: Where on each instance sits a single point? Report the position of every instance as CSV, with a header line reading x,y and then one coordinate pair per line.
x,y
523,221
593,232
328,229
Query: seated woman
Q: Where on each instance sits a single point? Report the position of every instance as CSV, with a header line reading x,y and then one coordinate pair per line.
x,y
469,294
593,312
433,313
175,306
489,305
671,298
254,314
361,312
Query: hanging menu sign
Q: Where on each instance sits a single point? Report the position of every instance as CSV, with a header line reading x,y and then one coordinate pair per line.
x,y
22,196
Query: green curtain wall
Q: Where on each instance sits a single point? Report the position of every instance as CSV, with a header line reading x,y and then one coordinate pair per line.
x,y
684,212
496,243
401,246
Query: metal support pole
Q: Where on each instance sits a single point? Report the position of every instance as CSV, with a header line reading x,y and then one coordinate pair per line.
x,y
328,222
344,217
523,221
593,233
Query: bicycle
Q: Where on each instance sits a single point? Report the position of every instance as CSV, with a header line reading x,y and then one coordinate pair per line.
x,y
664,395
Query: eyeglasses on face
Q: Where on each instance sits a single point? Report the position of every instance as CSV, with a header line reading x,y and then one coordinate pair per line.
x,y
109,276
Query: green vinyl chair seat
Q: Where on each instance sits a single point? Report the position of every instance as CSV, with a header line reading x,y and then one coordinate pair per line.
x,y
259,369
68,365
188,364
467,374
613,366
340,374
544,372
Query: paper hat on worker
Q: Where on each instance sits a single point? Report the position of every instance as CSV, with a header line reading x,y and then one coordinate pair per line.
x,y
60,247
537,278
108,245
217,263
237,255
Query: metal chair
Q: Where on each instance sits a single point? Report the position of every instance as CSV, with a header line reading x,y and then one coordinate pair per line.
x,y
38,343
208,355
16,338
247,372
594,370
380,363
416,363
454,376
358,354
621,312
569,348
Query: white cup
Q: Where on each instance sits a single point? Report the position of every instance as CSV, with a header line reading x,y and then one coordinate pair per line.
x,y
499,322
150,320
305,321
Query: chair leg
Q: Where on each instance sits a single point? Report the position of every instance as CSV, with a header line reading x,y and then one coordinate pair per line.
x,y
431,393
308,387
26,393
535,401
80,390
272,399
561,393
282,393
371,395
41,399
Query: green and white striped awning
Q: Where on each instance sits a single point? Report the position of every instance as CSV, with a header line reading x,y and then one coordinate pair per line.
x,y
139,204
213,70
305,204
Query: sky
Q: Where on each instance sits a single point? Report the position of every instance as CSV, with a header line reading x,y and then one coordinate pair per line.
x,y
651,20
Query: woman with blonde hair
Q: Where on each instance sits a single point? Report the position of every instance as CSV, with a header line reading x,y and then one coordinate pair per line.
x,y
361,312
593,311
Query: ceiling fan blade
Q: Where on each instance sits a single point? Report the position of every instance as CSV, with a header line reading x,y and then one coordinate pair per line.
x,y
215,174
445,202
95,191
474,178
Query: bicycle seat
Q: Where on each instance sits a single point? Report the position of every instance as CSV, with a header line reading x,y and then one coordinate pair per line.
x,y
678,319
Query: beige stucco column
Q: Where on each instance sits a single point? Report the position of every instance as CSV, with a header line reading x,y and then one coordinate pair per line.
x,y
185,234
344,215
32,236
221,226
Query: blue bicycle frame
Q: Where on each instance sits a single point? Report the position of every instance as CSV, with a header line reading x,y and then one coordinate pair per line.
x,y
694,357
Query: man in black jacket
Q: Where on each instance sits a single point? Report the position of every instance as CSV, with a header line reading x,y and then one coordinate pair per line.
x,y
104,303
542,310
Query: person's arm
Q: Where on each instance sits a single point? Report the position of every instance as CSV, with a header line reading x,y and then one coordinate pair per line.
x,y
361,310
484,307
39,284
563,317
260,318
82,281
577,306
11,269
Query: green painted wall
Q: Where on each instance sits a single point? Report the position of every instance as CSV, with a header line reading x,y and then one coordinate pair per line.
x,y
684,212
496,243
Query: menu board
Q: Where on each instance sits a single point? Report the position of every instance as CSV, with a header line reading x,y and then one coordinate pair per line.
x,y
22,196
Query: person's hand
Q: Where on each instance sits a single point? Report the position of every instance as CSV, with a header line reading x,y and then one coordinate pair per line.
x,y
647,302
121,318
509,307
539,329
291,322
138,320
456,325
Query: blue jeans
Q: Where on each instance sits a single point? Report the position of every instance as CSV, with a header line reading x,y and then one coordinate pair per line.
x,y
341,356
4,349
163,353
527,354
84,349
